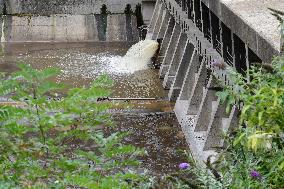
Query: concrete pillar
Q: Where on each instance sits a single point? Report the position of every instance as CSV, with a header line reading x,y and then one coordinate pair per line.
x,y
205,110
233,122
195,100
166,39
190,75
164,24
234,118
215,128
1,27
176,59
181,71
6,28
158,22
154,18
167,36
170,51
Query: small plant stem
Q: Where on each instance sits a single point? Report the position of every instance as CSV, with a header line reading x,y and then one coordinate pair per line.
x,y
40,126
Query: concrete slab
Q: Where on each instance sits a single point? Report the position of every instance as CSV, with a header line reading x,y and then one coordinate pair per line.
x,y
252,21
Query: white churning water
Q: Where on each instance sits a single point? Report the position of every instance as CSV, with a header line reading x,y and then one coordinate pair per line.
x,y
85,64
136,58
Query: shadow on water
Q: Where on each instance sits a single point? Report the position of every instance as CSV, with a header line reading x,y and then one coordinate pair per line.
x,y
152,124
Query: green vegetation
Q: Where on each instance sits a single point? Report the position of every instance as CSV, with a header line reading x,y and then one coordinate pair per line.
x,y
257,145
48,142
254,154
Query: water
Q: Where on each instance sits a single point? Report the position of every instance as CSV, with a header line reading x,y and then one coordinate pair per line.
x,y
152,123
137,58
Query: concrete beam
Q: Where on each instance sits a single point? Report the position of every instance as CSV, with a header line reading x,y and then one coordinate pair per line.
x,y
215,128
175,62
170,50
154,18
195,100
190,77
163,28
66,7
205,110
166,39
252,21
158,22
181,71
167,36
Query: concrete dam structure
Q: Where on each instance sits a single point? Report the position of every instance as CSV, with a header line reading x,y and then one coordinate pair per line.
x,y
194,35
68,20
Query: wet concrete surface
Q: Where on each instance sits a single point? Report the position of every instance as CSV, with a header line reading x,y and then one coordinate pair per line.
x,y
151,123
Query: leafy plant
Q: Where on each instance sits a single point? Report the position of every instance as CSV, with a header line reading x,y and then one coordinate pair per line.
x,y
262,102
254,153
52,141
257,146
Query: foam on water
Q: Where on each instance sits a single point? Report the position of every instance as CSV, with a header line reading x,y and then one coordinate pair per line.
x,y
89,65
136,58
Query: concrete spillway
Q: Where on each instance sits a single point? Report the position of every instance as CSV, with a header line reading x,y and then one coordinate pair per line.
x,y
194,34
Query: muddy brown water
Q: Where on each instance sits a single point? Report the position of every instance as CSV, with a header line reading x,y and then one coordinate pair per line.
x,y
151,123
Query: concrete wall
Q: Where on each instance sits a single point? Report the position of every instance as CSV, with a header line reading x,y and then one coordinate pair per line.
x,y
67,20
70,20
68,28
48,7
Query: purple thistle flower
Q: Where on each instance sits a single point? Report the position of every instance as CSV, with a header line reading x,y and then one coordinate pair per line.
x,y
183,166
254,174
